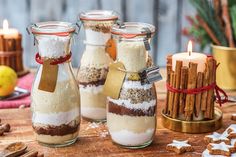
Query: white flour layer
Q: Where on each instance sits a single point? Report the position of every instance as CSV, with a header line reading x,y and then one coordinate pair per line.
x,y
93,113
91,89
97,38
126,103
129,138
55,119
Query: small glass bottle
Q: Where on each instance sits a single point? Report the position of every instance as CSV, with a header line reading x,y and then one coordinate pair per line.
x,y
94,62
55,94
131,119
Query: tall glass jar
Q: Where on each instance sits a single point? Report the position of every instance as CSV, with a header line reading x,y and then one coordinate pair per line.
x,y
94,62
131,118
55,93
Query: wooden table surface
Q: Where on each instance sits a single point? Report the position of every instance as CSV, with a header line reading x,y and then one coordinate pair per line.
x,y
94,140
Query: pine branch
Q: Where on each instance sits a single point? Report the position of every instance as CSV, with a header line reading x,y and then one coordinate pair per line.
x,y
206,11
233,18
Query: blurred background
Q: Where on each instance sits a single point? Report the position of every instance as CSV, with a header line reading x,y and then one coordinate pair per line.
x,y
167,15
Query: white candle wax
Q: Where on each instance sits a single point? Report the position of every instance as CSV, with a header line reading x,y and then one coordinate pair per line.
x,y
194,57
11,32
8,32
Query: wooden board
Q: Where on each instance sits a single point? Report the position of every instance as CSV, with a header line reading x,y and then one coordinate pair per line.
x,y
92,143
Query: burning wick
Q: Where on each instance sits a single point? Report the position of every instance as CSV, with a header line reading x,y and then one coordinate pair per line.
x,y
190,47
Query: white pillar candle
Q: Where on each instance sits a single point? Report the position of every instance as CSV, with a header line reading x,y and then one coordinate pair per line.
x,y
8,32
187,57
190,56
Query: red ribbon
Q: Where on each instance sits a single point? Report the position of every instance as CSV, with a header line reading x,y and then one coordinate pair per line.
x,y
217,89
56,61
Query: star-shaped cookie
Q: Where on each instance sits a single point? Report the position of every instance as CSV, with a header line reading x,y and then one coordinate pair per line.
x,y
231,132
220,149
179,146
216,138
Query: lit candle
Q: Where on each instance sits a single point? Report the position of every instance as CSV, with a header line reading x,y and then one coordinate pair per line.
x,y
190,56
8,32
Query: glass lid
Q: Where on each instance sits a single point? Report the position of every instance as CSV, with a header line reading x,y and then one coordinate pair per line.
x,y
133,29
53,28
99,15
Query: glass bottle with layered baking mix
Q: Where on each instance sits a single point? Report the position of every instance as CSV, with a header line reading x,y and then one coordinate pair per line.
x,y
55,94
95,61
131,119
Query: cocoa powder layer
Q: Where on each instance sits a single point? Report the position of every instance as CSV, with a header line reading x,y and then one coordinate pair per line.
x,y
121,110
137,95
92,74
61,130
93,83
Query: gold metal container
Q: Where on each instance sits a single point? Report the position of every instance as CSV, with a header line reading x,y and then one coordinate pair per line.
x,y
226,72
193,127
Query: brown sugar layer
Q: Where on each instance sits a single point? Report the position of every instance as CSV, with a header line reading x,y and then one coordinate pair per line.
x,y
61,130
91,74
138,95
122,110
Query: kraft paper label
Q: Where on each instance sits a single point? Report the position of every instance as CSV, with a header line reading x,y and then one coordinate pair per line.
x,y
114,81
48,78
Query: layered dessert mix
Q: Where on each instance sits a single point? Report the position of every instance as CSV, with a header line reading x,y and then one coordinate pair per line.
x,y
95,62
92,75
55,94
56,116
131,118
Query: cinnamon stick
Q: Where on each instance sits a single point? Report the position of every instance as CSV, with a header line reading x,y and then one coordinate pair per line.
x,y
168,69
210,94
217,8
171,94
200,77
208,30
18,40
30,153
226,19
190,98
205,83
177,85
9,44
1,43
183,85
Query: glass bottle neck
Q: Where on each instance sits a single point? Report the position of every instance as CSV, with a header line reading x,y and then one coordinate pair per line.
x,y
53,46
132,54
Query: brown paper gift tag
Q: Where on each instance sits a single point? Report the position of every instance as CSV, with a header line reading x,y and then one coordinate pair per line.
x,y
48,78
114,81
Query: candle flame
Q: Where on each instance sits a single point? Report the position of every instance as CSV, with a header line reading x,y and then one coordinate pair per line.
x,y
5,24
190,47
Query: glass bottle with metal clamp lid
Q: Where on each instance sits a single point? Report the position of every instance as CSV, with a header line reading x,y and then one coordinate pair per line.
x,y
55,94
95,61
131,118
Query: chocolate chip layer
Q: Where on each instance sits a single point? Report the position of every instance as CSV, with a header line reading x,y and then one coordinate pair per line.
x,y
121,110
87,75
61,130
137,95
93,83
